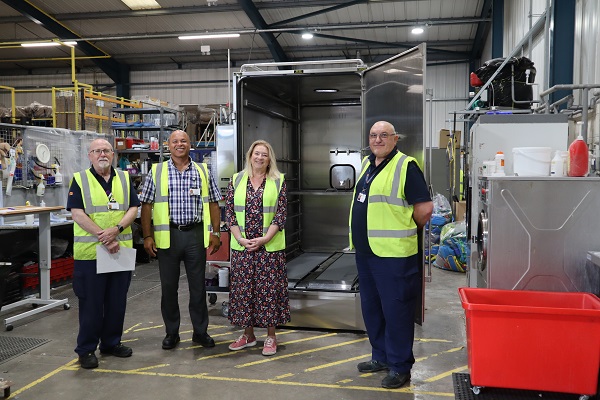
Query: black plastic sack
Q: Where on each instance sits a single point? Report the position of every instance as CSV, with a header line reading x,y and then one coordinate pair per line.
x,y
500,90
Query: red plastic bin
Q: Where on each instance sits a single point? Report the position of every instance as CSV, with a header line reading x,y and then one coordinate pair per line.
x,y
546,341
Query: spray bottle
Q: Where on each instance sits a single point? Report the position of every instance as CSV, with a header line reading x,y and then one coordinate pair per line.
x,y
41,189
58,178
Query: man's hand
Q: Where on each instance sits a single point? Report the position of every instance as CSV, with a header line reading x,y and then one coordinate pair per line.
x,y
108,235
150,246
215,243
113,247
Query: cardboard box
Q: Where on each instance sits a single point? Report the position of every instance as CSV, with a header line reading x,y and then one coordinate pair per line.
x,y
120,144
445,138
460,208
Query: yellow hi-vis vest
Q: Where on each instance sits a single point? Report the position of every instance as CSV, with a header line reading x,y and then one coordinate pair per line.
x,y
391,229
95,201
160,212
270,196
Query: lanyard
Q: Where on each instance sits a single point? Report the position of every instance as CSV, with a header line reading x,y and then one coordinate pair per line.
x,y
372,173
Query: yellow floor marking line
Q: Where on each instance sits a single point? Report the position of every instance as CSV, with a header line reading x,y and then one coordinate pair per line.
x,y
432,340
149,368
148,328
445,374
345,381
43,378
337,363
129,340
131,328
410,389
453,350
282,376
273,358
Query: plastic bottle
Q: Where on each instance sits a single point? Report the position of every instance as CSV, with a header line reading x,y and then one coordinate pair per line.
x,y
41,189
58,178
578,157
557,165
499,159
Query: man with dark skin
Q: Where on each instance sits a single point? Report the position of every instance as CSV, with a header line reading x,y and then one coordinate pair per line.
x,y
180,219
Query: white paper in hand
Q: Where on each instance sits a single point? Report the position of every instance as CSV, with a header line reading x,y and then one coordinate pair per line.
x,y
123,260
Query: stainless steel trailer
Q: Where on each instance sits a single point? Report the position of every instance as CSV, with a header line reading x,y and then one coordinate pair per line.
x,y
316,116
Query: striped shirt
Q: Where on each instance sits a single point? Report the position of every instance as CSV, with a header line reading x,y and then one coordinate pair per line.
x,y
184,208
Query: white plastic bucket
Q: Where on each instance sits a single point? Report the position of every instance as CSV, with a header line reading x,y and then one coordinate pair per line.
x,y
223,277
532,161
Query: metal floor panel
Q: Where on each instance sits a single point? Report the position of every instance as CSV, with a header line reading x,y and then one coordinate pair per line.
x,y
12,346
462,391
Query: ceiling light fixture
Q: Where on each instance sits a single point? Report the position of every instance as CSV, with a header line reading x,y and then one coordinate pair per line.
x,y
307,36
210,36
326,90
47,44
141,4
417,30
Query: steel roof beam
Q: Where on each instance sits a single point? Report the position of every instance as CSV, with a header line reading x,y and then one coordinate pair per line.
x,y
259,23
483,29
117,72
315,13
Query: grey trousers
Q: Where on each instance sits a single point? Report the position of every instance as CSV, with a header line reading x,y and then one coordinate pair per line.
x,y
188,247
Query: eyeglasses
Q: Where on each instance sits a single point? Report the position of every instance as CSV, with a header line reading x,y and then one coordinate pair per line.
x,y
381,136
101,151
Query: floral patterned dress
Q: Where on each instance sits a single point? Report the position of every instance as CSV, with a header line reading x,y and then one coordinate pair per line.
x,y
258,285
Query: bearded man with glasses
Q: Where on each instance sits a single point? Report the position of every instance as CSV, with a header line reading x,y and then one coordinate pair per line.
x,y
103,204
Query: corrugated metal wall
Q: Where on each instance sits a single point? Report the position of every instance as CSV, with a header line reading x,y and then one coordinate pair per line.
x,y
450,93
519,16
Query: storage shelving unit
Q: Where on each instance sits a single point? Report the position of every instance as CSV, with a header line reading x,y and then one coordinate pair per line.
x,y
144,133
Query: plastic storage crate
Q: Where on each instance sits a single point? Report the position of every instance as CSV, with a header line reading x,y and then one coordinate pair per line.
x,y
546,341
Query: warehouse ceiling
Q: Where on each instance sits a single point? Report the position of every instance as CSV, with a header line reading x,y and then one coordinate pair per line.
x,y
115,39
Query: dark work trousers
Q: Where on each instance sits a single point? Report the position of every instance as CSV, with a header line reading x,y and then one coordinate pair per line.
x,y
102,303
388,299
186,246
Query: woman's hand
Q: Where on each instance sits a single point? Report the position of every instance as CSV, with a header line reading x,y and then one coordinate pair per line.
x,y
254,244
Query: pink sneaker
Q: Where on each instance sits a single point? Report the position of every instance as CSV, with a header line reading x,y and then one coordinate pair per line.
x,y
270,347
242,342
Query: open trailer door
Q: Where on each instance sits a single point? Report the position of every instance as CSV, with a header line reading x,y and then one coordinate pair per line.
x,y
394,91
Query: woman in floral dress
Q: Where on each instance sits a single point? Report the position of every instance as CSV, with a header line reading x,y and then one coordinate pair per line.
x,y
256,212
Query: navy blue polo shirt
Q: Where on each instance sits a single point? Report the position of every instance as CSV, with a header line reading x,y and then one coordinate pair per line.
x,y
415,190
75,199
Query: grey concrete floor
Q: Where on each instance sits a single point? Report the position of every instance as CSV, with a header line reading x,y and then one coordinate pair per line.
x,y
309,364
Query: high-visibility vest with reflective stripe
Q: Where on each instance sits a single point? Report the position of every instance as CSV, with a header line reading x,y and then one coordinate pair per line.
x,y
391,229
95,201
270,197
160,212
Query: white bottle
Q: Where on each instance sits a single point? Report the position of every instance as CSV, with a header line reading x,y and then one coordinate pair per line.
x,y
41,189
557,165
58,178
499,159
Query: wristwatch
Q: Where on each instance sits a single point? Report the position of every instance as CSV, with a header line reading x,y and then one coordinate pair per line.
x,y
120,228
217,233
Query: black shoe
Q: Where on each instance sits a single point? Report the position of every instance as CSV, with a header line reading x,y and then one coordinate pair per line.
x,y
88,360
371,366
203,339
119,350
170,341
394,380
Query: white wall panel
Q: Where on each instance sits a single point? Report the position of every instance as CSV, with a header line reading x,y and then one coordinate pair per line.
x,y
450,93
